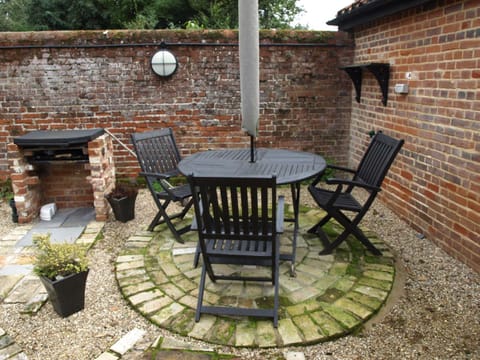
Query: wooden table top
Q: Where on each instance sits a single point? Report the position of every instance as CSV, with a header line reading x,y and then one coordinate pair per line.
x,y
289,166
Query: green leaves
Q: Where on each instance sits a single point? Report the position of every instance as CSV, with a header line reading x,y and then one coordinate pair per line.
x,y
58,259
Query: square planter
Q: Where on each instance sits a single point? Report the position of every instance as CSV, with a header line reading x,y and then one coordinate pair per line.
x,y
123,208
67,295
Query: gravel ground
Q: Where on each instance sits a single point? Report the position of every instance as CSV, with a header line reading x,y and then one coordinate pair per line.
x,y
435,315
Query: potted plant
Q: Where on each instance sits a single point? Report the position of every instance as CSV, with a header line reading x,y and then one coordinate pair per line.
x,y
122,201
63,270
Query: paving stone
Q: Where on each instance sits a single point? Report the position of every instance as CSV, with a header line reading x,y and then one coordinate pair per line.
x,y
372,292
127,341
5,341
184,251
245,334
166,313
130,265
345,283
380,267
289,284
140,238
87,239
222,332
16,269
145,296
188,300
175,344
35,304
19,356
288,332
304,307
265,334
170,269
7,282
370,302
134,244
294,355
128,258
10,351
201,328
25,290
307,293
325,282
126,281
307,327
185,284
172,291
339,268
329,326
136,288
154,305
341,316
353,307
108,356
379,284
305,278
130,273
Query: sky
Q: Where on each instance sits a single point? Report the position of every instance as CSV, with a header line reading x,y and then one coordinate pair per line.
x,y
318,12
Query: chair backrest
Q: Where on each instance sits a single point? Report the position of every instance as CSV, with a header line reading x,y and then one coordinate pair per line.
x,y
157,151
236,209
377,159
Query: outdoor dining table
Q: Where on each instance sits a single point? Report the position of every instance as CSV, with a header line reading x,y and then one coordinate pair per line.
x,y
290,168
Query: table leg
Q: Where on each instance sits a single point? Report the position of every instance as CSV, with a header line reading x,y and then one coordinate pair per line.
x,y
295,188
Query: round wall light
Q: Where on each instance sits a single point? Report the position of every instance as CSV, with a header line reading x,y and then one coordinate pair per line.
x,y
164,63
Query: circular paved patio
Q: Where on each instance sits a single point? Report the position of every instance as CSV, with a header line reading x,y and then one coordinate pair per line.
x,y
330,296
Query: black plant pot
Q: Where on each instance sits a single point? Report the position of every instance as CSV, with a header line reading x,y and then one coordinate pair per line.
x,y
67,295
123,208
14,211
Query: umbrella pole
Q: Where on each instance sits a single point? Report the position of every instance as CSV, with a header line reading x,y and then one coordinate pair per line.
x,y
252,149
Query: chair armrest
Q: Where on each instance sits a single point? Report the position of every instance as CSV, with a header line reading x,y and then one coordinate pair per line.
x,y
340,182
342,168
334,167
280,214
159,175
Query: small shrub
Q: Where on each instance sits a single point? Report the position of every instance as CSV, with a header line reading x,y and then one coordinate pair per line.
x,y
6,191
55,261
122,190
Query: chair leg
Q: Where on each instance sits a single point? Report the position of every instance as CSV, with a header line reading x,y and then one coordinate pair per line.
x,y
162,217
323,221
276,284
351,227
196,258
200,294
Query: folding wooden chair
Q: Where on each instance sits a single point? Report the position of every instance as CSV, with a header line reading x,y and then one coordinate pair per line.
x,y
239,222
158,156
338,203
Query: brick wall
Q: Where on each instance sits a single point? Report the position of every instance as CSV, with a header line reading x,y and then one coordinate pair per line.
x,y
435,183
69,80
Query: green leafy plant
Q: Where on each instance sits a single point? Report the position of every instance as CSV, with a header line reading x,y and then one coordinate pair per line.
x,y
6,191
123,189
58,260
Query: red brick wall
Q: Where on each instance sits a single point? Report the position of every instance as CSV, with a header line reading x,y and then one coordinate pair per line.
x,y
435,183
68,80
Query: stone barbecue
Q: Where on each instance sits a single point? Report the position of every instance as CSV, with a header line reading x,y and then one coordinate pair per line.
x,y
71,168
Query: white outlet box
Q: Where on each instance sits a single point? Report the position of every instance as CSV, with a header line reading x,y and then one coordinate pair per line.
x,y
401,88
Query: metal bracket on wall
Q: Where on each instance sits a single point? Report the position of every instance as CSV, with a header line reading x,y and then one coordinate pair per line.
x,y
381,71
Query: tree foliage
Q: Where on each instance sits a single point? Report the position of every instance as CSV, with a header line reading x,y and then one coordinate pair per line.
x,y
21,15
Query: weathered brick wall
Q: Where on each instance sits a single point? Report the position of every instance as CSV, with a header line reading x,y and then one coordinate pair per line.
x,y
70,80
435,183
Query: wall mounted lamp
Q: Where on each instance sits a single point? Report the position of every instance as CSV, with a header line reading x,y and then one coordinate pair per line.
x,y
164,63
